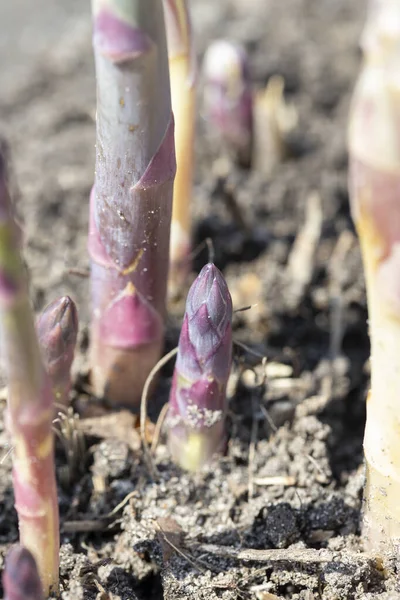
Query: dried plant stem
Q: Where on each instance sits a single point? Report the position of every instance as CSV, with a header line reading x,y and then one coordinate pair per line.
x,y
291,555
143,408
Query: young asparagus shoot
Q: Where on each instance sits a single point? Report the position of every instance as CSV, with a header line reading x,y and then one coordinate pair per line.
x,y
374,184
182,73
30,406
57,329
21,579
274,119
131,202
197,403
228,98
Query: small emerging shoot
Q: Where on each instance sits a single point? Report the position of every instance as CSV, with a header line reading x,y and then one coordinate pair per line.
x,y
273,120
197,404
228,99
21,579
57,329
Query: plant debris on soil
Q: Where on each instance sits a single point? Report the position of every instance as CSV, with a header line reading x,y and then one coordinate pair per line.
x,y
279,515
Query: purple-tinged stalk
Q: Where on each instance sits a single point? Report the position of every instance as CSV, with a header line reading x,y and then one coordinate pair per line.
x,y
30,406
374,182
21,579
183,96
131,202
57,329
197,403
228,98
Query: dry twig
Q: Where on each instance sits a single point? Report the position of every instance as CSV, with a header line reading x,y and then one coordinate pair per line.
x,y
336,274
299,555
301,260
143,411
104,522
158,428
285,480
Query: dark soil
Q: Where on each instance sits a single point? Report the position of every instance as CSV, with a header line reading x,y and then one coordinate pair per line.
x,y
175,538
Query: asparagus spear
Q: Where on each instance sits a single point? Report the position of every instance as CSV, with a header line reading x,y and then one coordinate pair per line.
x,y
21,579
57,329
132,199
197,403
182,73
228,98
30,405
374,182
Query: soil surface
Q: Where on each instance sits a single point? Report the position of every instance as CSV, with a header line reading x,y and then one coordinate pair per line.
x,y
279,514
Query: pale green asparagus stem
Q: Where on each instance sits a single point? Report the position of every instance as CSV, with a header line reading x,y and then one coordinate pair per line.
x,y
30,406
183,95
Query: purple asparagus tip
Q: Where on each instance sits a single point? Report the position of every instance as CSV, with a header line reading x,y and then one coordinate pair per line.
x,y
228,98
57,329
20,577
198,393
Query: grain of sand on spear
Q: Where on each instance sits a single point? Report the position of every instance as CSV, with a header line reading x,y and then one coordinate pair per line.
x,y
374,146
131,202
30,405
